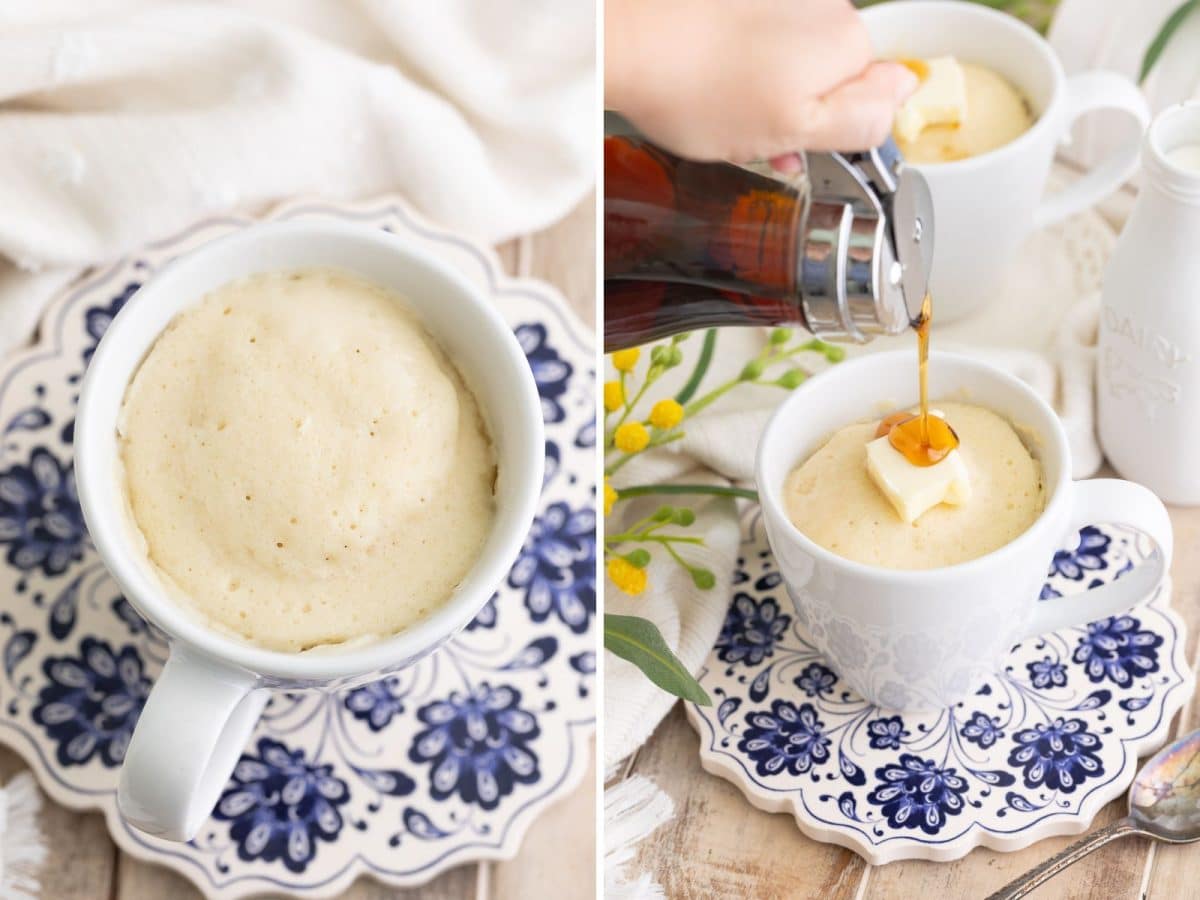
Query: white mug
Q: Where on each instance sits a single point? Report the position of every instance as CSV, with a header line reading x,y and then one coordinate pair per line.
x,y
208,697
985,206
919,639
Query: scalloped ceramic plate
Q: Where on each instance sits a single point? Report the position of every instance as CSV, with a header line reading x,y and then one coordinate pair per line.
x,y
332,786
1035,752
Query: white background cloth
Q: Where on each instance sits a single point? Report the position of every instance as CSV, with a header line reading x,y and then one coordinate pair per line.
x,y
1114,35
122,121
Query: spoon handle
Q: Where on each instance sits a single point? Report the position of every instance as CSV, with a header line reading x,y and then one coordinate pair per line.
x,y
1023,884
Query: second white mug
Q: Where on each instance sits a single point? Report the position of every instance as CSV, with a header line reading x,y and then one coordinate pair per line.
x,y
986,205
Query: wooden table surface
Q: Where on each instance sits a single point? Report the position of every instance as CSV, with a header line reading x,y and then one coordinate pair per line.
x,y
719,846
558,852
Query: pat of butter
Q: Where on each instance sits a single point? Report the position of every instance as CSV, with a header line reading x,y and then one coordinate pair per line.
x,y
940,99
914,490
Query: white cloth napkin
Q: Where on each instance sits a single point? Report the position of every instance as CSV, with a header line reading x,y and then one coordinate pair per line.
x,y
1114,35
124,121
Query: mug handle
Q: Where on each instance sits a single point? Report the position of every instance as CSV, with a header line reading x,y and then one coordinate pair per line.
x,y
1086,92
193,728
1111,500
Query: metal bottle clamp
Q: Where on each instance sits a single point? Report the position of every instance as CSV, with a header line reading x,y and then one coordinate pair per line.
x,y
867,244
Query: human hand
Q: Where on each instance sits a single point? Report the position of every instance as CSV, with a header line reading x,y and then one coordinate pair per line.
x,y
750,79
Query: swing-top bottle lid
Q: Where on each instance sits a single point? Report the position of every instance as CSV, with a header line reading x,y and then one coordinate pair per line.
x,y
867,244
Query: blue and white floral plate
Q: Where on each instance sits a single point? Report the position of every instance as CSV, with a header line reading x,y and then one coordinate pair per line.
x,y
1036,751
445,763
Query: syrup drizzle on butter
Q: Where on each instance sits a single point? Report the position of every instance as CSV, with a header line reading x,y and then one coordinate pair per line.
x,y
924,440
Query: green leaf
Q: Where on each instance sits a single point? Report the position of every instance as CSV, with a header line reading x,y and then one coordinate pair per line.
x,y
639,641
1169,27
706,355
703,578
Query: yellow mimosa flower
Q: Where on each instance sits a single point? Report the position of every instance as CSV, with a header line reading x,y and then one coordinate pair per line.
x,y
614,395
631,437
625,360
666,414
626,576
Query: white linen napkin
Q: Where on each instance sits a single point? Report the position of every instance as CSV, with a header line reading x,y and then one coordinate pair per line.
x,y
124,121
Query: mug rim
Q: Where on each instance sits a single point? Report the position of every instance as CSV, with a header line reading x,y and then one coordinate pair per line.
x,y
1001,20
113,538
1054,441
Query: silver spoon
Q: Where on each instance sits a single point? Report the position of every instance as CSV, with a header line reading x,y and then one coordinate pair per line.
x,y
1164,804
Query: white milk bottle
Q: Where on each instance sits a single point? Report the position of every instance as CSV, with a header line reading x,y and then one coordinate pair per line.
x,y
1148,364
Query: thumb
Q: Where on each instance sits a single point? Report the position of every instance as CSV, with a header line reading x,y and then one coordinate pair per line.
x,y
857,114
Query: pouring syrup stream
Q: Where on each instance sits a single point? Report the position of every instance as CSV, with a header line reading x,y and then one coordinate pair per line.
x,y
924,440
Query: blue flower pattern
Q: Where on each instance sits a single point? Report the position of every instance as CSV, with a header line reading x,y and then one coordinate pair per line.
x,y
91,702
557,567
376,703
816,680
886,733
1118,649
1060,754
789,739
1047,672
97,319
1088,555
40,520
981,729
551,372
917,793
281,805
751,630
478,745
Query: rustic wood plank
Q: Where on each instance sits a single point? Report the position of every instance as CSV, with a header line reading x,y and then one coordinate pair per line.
x,y
1111,873
1172,869
558,854
137,880
81,859
565,256
718,845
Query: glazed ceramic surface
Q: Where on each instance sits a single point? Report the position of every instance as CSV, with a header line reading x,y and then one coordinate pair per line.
x,y
440,764
1035,750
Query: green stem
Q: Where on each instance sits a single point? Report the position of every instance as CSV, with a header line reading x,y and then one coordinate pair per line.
x,y
631,404
642,490
711,397
675,555
615,539
706,355
654,442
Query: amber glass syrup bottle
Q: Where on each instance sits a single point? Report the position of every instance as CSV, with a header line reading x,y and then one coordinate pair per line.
x,y
692,245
